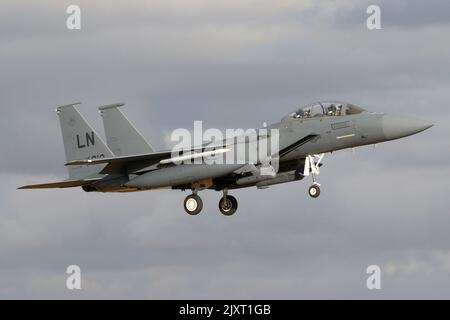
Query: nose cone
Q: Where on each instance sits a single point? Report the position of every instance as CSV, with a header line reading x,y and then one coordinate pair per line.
x,y
397,127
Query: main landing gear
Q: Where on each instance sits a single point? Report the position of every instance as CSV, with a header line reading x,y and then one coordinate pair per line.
x,y
193,204
228,205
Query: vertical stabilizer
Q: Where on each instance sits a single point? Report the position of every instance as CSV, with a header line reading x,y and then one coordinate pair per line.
x,y
80,142
121,136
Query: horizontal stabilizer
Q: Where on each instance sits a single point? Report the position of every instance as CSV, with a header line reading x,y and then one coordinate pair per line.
x,y
61,184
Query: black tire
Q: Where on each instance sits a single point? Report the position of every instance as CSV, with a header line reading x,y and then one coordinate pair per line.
x,y
314,191
229,208
193,204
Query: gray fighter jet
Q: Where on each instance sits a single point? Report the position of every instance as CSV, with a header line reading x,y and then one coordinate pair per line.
x,y
127,163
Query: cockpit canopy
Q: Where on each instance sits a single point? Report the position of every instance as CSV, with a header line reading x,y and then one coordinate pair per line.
x,y
328,108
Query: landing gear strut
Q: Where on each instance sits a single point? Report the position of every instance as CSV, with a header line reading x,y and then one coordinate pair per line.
x,y
312,164
193,204
314,190
228,204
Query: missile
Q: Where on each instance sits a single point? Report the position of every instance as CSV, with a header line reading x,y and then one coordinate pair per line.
x,y
192,156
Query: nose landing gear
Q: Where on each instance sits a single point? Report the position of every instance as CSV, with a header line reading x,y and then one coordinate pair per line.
x,y
312,164
314,191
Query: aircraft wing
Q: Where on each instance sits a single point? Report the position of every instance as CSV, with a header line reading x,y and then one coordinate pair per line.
x,y
119,164
154,156
60,184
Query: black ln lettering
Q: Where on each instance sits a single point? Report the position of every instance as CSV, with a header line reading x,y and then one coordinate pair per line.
x,y
90,139
80,146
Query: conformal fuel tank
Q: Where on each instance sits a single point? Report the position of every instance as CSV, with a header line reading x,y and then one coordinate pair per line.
x,y
181,174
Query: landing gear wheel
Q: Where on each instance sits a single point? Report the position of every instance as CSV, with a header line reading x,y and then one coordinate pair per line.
x,y
314,191
228,205
193,204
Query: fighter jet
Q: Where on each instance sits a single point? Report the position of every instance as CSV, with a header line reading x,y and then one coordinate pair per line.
x,y
128,163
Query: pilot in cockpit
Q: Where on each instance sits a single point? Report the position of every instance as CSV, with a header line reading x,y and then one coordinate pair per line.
x,y
331,110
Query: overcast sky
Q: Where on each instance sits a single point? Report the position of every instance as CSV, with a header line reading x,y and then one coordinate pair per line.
x,y
232,64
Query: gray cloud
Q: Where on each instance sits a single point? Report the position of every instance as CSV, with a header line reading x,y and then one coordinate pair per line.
x,y
230,64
